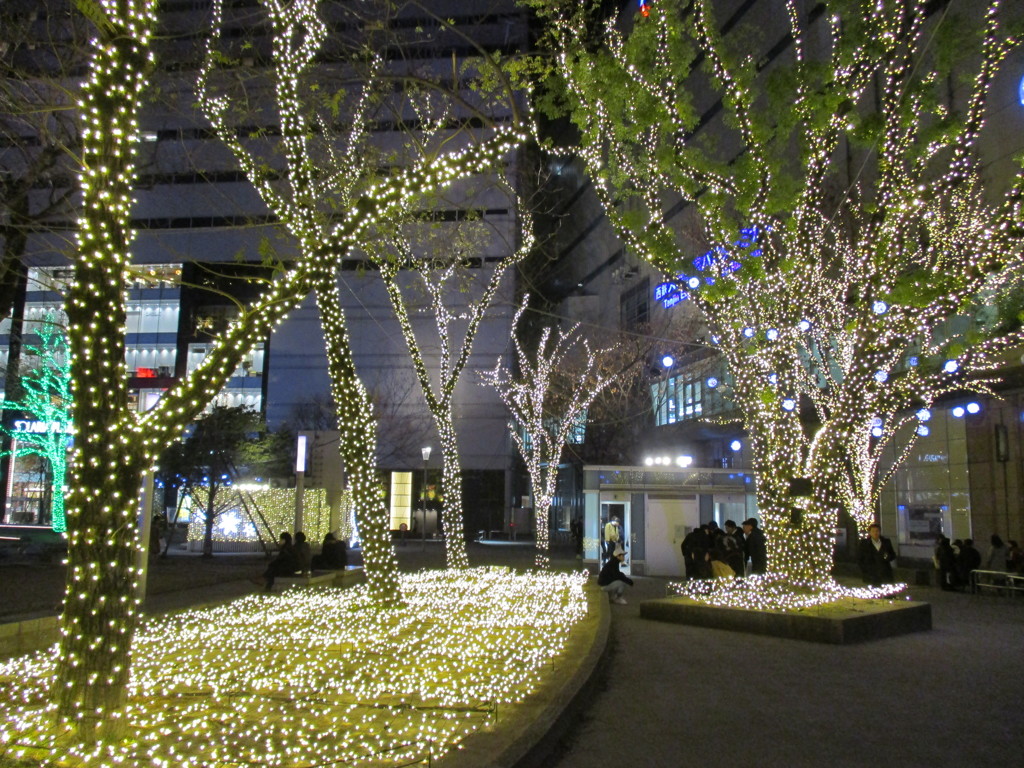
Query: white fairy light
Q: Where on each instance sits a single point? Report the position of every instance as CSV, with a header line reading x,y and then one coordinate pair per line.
x,y
863,288
317,676
540,434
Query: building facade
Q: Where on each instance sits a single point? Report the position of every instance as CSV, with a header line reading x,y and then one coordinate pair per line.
x,y
205,241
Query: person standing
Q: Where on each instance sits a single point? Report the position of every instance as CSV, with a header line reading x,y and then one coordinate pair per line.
x,y
576,531
756,546
945,559
612,537
996,560
731,529
967,561
612,580
875,556
696,549
1014,557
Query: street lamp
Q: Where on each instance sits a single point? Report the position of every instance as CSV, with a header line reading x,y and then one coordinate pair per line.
x,y
300,477
423,533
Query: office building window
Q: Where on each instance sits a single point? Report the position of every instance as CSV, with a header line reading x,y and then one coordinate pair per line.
x,y
634,306
677,399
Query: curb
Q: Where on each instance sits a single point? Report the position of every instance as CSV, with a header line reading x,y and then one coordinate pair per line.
x,y
528,732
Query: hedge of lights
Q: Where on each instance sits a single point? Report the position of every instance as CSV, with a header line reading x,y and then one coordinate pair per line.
x,y
317,676
775,593
277,509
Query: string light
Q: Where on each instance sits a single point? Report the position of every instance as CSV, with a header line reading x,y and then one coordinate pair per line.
x,y
438,277
772,592
47,400
276,507
316,676
841,306
541,428
115,445
374,200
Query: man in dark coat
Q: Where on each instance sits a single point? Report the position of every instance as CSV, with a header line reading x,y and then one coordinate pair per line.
x,y
968,560
731,529
612,580
696,547
875,557
755,546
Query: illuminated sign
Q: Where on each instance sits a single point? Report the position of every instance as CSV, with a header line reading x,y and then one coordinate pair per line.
x,y
42,427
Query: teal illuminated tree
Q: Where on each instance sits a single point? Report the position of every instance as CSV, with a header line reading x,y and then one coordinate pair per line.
x,y
46,403
835,230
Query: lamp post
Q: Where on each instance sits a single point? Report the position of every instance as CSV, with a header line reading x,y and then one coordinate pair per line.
x,y
423,533
300,478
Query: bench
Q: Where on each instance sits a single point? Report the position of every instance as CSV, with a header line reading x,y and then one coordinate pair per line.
x,y
343,577
997,580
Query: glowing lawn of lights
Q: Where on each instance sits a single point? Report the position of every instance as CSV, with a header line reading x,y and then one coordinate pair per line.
x,y
318,676
764,593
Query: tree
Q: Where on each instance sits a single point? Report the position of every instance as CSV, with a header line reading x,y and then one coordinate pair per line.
x,y
442,274
46,400
206,460
328,175
539,430
837,297
115,445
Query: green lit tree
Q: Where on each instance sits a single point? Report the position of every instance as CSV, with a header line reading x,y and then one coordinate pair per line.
x,y
836,231
545,415
46,400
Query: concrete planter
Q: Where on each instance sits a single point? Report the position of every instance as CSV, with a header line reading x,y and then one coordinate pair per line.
x,y
839,624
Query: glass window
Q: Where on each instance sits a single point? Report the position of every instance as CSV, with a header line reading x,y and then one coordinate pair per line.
x,y
634,306
675,399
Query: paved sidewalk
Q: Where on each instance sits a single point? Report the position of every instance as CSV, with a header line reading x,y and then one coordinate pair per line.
x,y
682,696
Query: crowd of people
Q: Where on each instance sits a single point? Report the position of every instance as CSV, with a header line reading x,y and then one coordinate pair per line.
x,y
954,560
713,552
295,556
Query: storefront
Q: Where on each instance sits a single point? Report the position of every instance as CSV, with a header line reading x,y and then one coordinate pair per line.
x,y
657,507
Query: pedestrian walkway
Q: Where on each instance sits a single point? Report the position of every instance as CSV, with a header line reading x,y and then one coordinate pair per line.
x,y
683,696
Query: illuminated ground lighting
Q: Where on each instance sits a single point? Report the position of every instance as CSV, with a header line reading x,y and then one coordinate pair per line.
x,y
775,594
318,676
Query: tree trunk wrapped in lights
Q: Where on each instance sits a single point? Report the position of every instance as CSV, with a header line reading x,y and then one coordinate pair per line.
x,y
831,295
328,196
358,444
115,445
99,610
543,420
440,273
